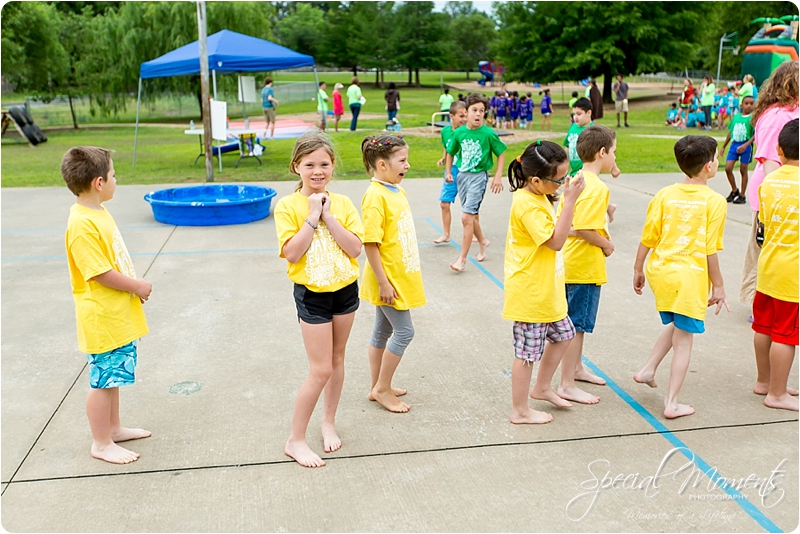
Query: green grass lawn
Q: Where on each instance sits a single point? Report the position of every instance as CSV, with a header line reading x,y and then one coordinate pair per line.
x,y
165,155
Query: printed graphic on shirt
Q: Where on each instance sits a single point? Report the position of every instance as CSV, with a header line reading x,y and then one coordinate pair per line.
x,y
408,241
326,262
471,154
739,132
121,255
572,139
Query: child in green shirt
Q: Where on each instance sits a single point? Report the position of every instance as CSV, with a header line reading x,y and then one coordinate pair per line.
x,y
741,132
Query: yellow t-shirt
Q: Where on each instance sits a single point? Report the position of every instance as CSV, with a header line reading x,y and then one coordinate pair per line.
x,y
534,274
585,263
778,261
325,267
388,222
684,226
107,318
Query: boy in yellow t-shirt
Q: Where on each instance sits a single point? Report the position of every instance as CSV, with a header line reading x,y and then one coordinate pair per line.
x,y
775,308
108,298
585,256
684,227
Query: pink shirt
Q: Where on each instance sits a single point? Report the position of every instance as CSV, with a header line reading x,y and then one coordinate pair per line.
x,y
768,127
338,108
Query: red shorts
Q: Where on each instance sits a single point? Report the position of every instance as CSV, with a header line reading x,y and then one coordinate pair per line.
x,y
776,319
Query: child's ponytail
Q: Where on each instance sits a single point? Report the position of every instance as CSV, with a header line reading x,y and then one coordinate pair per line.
x,y
540,159
375,147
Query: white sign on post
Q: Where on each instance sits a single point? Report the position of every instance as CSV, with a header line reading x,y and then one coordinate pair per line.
x,y
219,114
247,89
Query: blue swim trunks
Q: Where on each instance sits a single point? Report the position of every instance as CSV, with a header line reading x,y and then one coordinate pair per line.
x,y
450,190
746,155
113,368
687,324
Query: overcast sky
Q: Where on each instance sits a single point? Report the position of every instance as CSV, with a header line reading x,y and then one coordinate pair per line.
x,y
479,5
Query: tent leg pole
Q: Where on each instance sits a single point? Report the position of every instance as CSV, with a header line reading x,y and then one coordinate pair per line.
x,y
316,80
214,77
136,135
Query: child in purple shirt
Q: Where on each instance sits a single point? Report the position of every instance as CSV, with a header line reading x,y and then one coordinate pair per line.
x,y
547,109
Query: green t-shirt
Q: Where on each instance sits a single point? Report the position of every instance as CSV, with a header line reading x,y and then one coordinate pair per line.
x,y
572,103
445,101
353,95
588,91
745,90
475,147
447,135
571,142
707,98
322,101
741,129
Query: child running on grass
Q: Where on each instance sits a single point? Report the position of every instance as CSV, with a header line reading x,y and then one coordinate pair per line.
x,y
741,132
775,309
585,253
683,227
319,234
392,276
108,298
475,146
458,117
534,292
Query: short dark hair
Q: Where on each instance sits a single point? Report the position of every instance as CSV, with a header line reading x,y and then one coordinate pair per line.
x,y
574,94
392,85
746,97
455,106
268,80
673,105
583,103
377,147
477,98
788,140
592,139
446,90
693,152
82,164
322,83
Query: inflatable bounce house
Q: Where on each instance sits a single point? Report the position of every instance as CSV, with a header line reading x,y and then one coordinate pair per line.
x,y
491,71
773,44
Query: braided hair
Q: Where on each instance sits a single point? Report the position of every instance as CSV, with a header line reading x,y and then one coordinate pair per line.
x,y
377,147
541,159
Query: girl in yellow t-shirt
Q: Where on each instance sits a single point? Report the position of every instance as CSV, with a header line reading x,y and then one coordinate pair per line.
x,y
319,233
392,277
535,297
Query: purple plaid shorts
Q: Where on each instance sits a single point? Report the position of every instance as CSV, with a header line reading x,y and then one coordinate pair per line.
x,y
529,337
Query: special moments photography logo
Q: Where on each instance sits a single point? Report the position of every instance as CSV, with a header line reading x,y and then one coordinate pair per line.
x,y
687,476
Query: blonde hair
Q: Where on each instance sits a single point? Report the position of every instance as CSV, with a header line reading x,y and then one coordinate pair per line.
x,y
748,78
305,145
780,89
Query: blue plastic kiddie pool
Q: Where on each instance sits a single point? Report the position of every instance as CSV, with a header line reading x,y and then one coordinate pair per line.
x,y
211,205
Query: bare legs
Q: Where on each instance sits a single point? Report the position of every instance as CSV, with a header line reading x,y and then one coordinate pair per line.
x,y
572,360
774,362
446,221
542,389
472,226
382,365
325,346
680,342
102,410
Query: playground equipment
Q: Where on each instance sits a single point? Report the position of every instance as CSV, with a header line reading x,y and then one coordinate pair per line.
x,y
491,71
773,44
22,121
211,205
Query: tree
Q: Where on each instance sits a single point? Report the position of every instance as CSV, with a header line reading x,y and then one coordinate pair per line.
x,y
470,47
421,37
551,41
302,30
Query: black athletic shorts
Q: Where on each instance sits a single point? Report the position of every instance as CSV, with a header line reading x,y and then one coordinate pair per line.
x,y
319,308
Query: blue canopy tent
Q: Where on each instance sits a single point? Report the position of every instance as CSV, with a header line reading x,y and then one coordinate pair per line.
x,y
228,52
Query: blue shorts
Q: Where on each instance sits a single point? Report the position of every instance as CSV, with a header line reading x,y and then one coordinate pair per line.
x,y
582,302
450,190
747,155
113,368
687,324
471,188
529,116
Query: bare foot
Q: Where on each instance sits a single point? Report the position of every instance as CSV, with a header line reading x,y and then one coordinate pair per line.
x,y
611,209
583,375
785,402
127,434
577,395
482,253
474,239
442,239
763,389
330,438
388,400
644,378
114,454
678,410
398,392
458,266
302,454
532,417
550,396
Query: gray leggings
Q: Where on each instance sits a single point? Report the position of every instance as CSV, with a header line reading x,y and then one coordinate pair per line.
x,y
388,319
